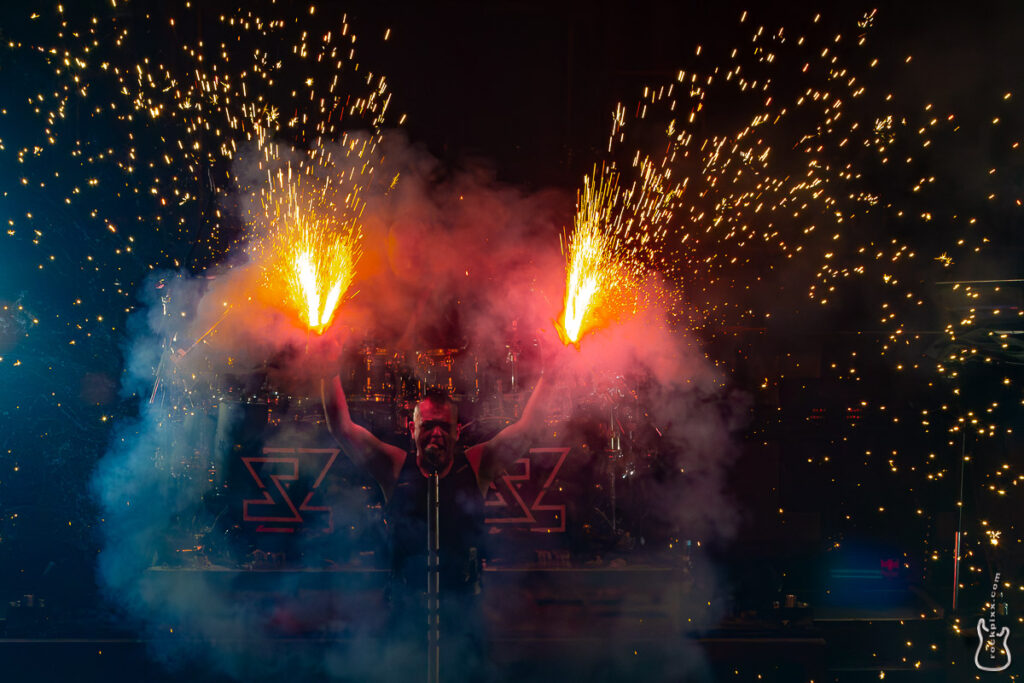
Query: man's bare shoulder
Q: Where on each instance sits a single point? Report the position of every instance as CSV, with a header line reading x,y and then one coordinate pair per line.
x,y
474,454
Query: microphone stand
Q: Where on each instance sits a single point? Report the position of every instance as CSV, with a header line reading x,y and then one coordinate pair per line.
x,y
433,579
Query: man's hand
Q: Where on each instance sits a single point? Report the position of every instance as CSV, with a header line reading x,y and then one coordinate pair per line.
x,y
556,355
325,353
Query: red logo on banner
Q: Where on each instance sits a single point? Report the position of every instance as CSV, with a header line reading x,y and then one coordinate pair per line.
x,y
511,487
281,467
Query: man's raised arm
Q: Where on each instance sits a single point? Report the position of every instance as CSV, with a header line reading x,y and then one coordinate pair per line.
x,y
382,461
493,457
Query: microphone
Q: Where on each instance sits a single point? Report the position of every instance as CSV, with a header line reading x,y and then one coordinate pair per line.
x,y
435,460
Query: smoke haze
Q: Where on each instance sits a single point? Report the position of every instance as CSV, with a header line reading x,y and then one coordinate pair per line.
x,y
451,259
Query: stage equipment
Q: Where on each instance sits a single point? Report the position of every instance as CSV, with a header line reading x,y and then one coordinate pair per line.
x,y
375,375
452,371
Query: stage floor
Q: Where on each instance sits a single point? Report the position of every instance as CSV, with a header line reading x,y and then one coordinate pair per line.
x,y
553,624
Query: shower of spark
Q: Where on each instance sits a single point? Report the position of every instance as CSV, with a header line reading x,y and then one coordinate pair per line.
x,y
594,268
312,258
617,232
308,223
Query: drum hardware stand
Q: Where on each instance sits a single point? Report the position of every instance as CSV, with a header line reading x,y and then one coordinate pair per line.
x,y
513,361
615,453
433,579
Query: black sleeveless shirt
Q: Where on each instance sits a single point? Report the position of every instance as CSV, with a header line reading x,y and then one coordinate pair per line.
x,y
461,532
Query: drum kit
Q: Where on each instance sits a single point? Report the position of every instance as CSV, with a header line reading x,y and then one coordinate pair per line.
x,y
381,382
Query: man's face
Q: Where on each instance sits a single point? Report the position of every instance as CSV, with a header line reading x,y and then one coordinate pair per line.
x,y
435,431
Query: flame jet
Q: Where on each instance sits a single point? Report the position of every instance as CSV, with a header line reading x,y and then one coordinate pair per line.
x,y
313,242
615,231
316,262
593,267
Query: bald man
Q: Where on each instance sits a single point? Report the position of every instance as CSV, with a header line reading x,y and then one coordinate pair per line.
x,y
464,476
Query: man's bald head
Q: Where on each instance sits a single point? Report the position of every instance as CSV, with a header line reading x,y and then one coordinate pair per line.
x,y
438,400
